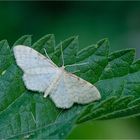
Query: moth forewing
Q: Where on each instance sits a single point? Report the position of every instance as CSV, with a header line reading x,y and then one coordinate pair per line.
x,y
39,71
83,91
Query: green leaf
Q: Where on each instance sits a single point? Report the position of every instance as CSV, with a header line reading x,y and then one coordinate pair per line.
x,y
120,78
96,57
5,56
70,48
26,114
46,42
24,40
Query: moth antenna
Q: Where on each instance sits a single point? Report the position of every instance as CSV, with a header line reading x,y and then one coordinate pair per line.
x,y
46,54
62,55
49,58
76,64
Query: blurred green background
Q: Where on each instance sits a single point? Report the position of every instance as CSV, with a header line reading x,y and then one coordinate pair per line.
x,y
92,21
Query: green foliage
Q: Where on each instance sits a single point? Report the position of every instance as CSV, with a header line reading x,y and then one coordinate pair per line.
x,y
26,114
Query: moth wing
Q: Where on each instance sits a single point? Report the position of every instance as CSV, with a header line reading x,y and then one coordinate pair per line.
x,y
39,79
72,89
60,95
39,71
28,58
83,92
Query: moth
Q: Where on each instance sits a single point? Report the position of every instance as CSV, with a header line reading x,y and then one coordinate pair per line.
x,y
42,75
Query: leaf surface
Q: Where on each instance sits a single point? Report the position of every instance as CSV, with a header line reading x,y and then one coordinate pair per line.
x,y
26,114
